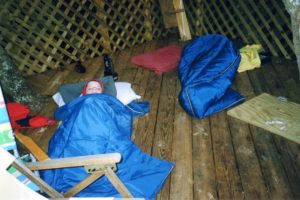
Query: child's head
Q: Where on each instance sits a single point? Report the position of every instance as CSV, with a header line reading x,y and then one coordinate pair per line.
x,y
93,86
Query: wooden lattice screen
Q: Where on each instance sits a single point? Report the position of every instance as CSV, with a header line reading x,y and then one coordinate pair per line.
x,y
254,21
48,34
44,34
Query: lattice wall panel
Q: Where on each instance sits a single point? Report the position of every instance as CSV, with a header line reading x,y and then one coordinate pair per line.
x,y
44,34
256,21
194,12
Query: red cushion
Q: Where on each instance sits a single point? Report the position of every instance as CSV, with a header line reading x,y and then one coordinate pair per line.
x,y
160,60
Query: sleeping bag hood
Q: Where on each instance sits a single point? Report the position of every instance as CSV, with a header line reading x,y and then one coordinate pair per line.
x,y
207,67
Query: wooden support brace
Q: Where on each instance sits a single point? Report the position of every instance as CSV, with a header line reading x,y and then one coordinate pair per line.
x,y
83,184
114,179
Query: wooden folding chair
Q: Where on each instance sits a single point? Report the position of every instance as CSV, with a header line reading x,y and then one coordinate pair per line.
x,y
96,165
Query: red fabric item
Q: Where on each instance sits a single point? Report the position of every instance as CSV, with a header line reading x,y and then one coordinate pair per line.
x,y
38,121
17,111
160,60
83,92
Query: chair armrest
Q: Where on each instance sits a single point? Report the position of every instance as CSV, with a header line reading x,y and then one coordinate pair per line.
x,y
36,151
99,159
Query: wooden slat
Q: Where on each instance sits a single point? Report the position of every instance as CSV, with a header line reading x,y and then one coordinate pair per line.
x,y
109,158
255,22
36,151
147,85
205,183
182,175
260,111
229,185
38,181
114,179
83,184
287,149
274,175
49,34
183,24
248,163
163,139
195,16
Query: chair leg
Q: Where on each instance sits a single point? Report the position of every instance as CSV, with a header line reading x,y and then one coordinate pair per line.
x,y
114,179
39,182
83,184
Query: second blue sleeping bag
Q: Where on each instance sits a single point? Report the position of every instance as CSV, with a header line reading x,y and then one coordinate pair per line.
x,y
206,70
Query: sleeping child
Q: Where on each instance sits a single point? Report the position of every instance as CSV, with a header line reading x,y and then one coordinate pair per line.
x,y
97,123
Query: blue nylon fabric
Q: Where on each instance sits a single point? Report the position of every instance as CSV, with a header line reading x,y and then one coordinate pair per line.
x,y
95,124
206,70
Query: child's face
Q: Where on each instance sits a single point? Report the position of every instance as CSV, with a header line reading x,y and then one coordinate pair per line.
x,y
93,87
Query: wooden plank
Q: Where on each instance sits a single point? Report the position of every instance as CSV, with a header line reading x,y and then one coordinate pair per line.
x,y
99,159
182,176
248,163
168,13
287,149
147,84
272,114
162,146
183,24
228,181
272,169
205,183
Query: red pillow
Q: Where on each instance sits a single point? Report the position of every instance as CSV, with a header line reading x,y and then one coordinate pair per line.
x,y
160,60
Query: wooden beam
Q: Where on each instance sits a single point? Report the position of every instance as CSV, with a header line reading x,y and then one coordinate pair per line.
x,y
109,158
183,24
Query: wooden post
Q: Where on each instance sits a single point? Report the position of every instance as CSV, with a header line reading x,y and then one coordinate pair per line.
x,y
183,24
174,15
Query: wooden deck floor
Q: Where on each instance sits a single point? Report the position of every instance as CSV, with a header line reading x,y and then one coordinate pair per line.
x,y
216,158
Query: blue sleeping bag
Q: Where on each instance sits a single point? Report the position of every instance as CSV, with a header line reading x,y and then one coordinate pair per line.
x,y
207,67
96,124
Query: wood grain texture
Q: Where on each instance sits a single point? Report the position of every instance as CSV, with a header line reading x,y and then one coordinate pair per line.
x,y
205,182
272,114
182,175
274,175
183,24
229,185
